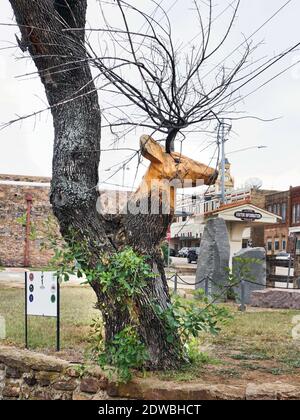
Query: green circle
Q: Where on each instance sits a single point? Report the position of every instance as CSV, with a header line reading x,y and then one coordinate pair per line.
x,y
53,298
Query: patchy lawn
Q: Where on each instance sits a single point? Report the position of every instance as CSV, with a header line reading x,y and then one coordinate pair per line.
x,y
253,346
77,313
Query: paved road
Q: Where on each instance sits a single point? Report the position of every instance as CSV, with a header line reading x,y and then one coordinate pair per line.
x,y
180,261
15,277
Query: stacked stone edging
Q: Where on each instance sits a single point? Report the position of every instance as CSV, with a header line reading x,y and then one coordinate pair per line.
x,y
276,298
28,375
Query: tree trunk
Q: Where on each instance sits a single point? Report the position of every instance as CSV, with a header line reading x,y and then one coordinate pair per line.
x,y
76,115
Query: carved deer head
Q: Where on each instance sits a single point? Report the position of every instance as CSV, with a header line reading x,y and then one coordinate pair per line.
x,y
176,169
142,224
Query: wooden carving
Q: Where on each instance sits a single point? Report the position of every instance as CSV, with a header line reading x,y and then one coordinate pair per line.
x,y
150,210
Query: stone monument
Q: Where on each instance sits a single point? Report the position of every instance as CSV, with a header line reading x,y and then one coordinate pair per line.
x,y
254,259
213,259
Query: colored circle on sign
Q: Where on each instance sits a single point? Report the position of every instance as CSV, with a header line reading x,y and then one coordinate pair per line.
x,y
53,298
31,276
31,288
31,298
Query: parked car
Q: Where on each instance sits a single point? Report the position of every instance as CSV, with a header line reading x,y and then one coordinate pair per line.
x,y
284,258
172,252
183,252
192,255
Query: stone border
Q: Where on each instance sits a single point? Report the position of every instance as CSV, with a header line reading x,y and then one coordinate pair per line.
x,y
28,375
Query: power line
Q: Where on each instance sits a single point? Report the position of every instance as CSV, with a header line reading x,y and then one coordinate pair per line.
x,y
249,37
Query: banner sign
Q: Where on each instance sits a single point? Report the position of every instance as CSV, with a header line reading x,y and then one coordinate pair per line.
x,y
250,215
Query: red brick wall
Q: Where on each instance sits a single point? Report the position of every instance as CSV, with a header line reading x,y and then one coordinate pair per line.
x,y
295,200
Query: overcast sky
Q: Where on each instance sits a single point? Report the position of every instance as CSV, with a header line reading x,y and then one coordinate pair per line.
x,y
27,148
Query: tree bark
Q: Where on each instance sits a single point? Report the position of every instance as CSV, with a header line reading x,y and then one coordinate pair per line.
x,y
73,98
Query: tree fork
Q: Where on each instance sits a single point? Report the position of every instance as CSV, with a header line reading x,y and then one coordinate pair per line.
x,y
77,129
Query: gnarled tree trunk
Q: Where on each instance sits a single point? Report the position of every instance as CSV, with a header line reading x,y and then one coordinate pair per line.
x,y
60,57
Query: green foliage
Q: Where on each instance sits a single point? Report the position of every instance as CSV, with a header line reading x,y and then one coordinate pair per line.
x,y
196,357
22,220
124,274
96,336
241,271
189,319
80,369
69,259
165,252
124,353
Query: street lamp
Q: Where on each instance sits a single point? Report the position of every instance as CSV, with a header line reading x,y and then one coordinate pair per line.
x,y
247,148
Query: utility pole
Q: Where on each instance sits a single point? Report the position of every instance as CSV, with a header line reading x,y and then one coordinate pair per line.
x,y
222,138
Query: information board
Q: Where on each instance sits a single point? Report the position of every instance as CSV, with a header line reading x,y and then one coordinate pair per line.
x,y
41,294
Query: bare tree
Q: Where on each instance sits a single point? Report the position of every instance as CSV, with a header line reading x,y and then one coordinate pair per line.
x,y
145,69
164,84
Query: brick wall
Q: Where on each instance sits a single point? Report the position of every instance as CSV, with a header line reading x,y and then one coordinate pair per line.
x,y
13,205
13,192
258,198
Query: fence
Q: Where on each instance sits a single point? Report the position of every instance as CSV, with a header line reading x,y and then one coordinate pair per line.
x,y
274,277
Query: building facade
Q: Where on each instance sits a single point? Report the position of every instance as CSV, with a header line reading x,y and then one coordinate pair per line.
x,y
276,236
287,205
294,228
187,230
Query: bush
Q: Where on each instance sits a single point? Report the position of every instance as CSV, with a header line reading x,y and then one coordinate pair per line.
x,y
124,353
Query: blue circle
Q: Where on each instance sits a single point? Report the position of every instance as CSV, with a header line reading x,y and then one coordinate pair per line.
x,y
30,298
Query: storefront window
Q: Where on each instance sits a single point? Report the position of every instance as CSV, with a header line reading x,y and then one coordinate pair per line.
x,y
296,213
283,212
279,209
298,247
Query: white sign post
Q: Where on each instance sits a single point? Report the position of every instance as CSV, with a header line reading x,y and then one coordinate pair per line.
x,y
42,298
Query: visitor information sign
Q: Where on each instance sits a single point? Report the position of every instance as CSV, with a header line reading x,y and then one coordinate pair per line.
x,y
246,215
41,297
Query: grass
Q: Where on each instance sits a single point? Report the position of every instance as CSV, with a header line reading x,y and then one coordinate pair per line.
x,y
260,335
77,313
258,341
